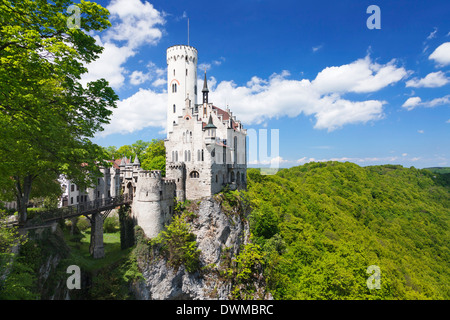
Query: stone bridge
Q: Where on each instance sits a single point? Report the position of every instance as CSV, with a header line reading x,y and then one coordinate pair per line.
x,y
96,211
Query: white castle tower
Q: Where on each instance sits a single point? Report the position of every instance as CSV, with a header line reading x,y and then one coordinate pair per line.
x,y
181,81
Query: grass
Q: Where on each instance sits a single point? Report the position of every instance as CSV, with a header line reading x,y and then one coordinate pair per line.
x,y
80,250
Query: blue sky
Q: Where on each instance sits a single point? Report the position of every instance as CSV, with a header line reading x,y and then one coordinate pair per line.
x,y
335,89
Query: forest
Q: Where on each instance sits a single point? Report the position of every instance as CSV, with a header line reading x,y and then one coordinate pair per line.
x,y
321,225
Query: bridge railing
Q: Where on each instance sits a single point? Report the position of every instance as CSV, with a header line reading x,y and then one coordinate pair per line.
x,y
80,209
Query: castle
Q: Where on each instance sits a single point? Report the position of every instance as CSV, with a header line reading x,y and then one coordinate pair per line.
x,y
205,150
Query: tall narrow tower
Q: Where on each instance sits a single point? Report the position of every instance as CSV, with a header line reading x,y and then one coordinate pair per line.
x,y
181,81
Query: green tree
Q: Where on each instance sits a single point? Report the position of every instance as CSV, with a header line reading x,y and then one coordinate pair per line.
x,y
46,115
154,157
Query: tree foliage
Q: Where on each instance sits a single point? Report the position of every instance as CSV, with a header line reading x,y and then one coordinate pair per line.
x,y
46,115
321,225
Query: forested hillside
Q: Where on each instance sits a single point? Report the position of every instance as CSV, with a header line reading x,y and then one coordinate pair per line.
x,y
321,225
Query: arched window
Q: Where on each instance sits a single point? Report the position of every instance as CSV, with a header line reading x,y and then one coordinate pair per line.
x,y
203,156
213,153
174,108
232,176
174,87
194,174
190,136
198,155
174,72
176,156
189,155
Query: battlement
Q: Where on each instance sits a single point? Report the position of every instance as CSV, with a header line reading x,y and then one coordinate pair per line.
x,y
176,165
167,182
182,52
154,174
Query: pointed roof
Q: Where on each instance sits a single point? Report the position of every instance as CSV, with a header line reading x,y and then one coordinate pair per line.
x,y
136,160
210,124
205,84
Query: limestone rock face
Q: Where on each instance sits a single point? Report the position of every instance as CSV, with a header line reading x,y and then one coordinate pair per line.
x,y
215,231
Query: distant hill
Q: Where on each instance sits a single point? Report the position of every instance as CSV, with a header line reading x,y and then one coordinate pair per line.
x,y
439,169
321,225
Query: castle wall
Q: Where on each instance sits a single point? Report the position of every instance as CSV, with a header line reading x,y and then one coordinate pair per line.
x,y
154,202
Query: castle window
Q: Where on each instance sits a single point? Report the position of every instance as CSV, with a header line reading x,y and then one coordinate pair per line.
x,y
237,177
198,155
186,69
203,156
174,87
195,89
194,174
72,187
174,108
232,176
71,200
216,178
213,153
173,72
176,156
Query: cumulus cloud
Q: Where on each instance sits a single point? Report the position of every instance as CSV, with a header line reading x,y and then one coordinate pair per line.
x,y
134,23
432,80
145,108
442,54
414,102
278,96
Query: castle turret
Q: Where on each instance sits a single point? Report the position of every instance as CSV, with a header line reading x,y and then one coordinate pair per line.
x,y
181,80
177,172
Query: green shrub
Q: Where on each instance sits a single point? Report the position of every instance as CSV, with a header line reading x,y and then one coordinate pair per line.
x,y
111,225
83,224
179,244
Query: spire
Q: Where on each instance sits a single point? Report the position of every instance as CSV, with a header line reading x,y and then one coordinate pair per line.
x,y
205,90
205,84
210,124
136,160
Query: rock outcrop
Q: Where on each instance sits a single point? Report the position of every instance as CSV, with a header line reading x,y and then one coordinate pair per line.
x,y
218,234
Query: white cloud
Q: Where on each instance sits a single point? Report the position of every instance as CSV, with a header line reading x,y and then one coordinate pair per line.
x,y
442,54
404,154
143,109
360,76
432,34
262,99
109,65
432,80
413,102
138,77
315,49
134,23
420,131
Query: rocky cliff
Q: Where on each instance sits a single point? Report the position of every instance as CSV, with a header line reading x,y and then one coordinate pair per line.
x,y
221,234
